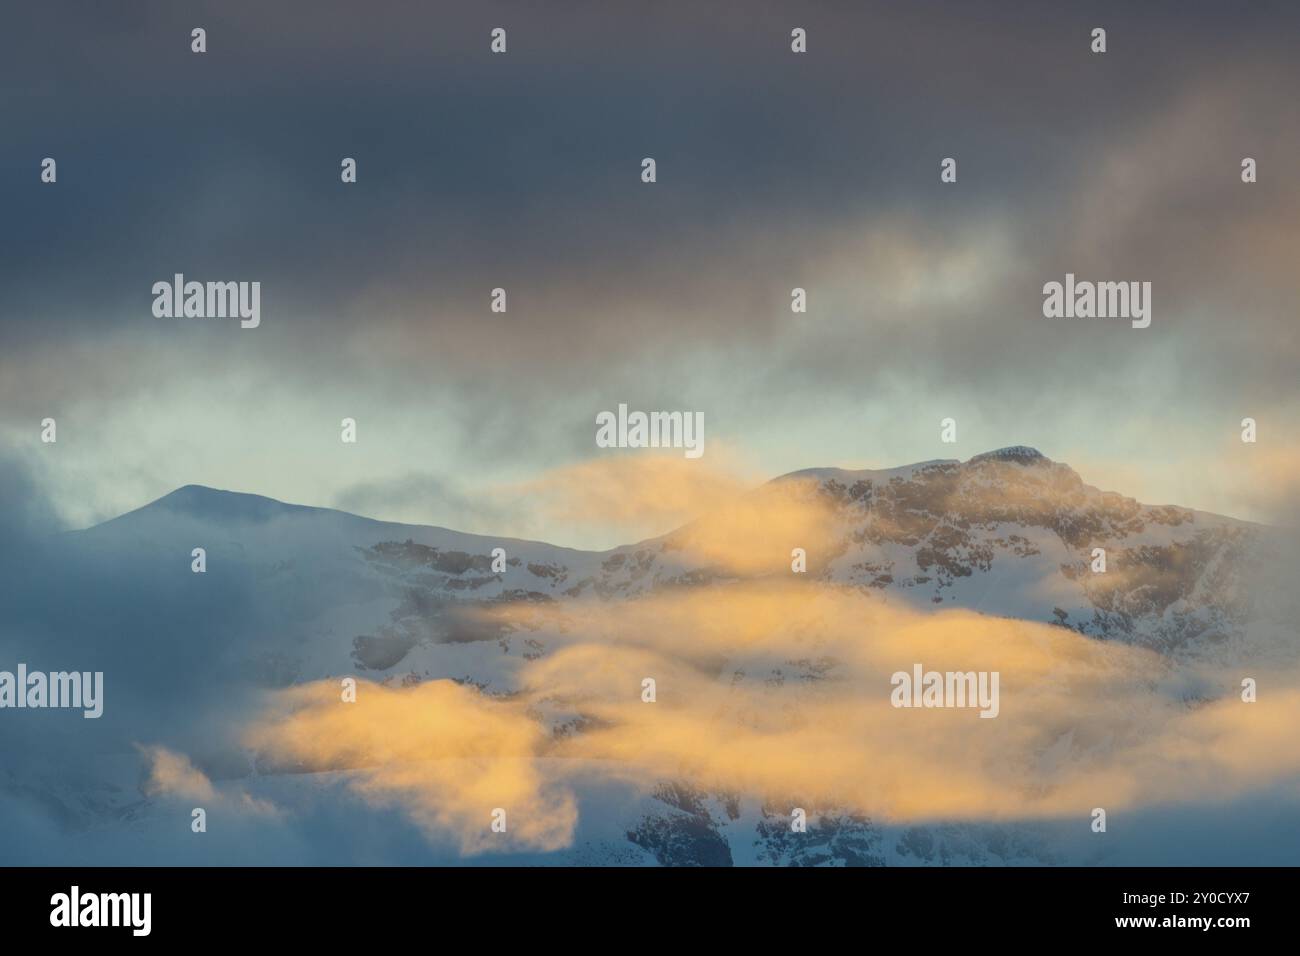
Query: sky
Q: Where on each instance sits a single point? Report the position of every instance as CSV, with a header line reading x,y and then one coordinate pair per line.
x,y
522,171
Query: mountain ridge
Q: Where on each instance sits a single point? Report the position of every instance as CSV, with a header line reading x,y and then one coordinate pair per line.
x,y
296,595
203,501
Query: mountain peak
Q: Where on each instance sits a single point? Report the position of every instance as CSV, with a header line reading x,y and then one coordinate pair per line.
x,y
1014,454
201,501
1019,454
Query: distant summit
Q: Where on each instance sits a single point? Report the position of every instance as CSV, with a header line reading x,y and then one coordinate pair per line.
x,y
212,504
200,501
1020,454
1013,454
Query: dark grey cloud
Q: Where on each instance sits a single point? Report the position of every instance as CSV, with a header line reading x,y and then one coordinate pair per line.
x,y
519,167
521,171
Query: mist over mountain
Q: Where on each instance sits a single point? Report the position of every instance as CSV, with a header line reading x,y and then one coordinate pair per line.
x,y
222,686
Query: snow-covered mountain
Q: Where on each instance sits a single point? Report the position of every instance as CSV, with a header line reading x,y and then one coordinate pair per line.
x,y
1010,534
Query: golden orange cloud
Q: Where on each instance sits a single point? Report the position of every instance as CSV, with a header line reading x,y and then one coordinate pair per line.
x,y
782,690
636,496
448,755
